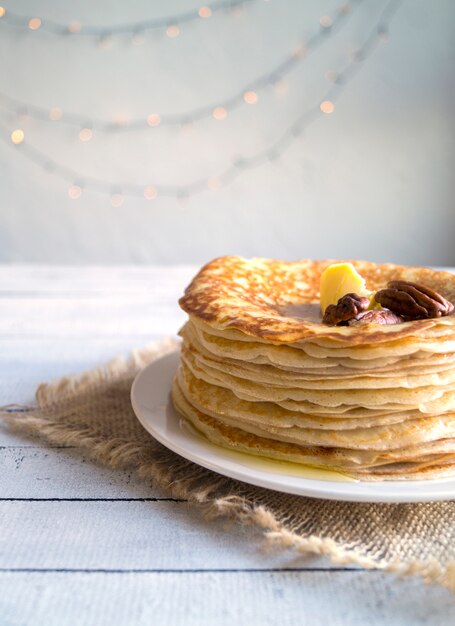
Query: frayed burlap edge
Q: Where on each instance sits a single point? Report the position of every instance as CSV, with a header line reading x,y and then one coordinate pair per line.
x,y
121,454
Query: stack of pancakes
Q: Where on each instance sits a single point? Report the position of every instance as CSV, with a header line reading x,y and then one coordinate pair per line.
x,y
260,373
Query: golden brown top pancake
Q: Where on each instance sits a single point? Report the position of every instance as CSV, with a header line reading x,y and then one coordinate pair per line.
x,y
266,299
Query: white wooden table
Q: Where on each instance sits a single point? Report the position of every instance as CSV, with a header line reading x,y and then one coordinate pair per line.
x,y
81,544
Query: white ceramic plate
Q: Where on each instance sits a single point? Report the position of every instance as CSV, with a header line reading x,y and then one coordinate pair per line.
x,y
153,406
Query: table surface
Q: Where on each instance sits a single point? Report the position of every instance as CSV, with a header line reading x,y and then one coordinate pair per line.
x,y
82,544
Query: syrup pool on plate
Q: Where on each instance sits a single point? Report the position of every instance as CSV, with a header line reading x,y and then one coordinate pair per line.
x,y
268,465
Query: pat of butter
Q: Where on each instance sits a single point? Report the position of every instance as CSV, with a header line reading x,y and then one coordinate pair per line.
x,y
337,280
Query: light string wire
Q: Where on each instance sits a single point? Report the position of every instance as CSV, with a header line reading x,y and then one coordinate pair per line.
x,y
274,151
75,28
218,110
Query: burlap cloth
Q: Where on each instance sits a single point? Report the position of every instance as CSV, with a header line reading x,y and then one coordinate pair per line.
x,y
93,412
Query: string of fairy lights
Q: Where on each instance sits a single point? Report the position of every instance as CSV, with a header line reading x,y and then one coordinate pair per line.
x,y
170,25
248,95
150,191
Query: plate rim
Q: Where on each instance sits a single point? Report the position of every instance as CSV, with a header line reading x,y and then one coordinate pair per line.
x,y
306,487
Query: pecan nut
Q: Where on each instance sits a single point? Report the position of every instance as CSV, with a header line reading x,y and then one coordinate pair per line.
x,y
376,316
413,301
345,309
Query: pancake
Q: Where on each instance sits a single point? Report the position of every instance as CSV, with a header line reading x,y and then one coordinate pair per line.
x,y
385,436
365,397
356,463
253,297
262,374
386,349
218,402
267,375
373,354
290,359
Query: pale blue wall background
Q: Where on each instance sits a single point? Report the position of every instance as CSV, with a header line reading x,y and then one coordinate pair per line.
x,y
373,180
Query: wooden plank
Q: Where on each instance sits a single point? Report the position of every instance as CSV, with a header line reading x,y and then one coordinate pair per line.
x,y
25,362
38,472
61,320
9,438
90,317
31,279
221,599
16,351
91,301
113,535
97,279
